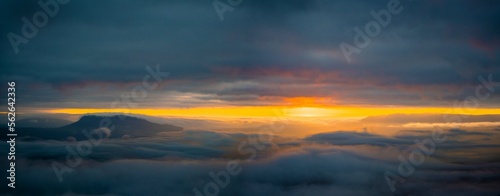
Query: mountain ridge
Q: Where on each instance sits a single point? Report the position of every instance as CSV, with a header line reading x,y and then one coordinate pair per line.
x,y
117,126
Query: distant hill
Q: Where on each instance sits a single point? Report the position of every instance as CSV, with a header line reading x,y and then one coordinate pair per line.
x,y
119,127
42,122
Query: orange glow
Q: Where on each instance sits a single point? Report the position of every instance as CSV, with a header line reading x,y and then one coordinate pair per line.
x,y
468,124
236,112
272,111
310,112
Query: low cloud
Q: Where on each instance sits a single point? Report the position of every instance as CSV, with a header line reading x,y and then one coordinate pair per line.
x,y
336,163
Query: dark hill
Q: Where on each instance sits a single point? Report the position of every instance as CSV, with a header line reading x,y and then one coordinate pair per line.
x,y
115,127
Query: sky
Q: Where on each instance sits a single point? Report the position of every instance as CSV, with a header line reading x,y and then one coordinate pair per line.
x,y
307,97
263,56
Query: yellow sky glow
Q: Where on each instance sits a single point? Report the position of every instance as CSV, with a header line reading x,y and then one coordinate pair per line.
x,y
272,111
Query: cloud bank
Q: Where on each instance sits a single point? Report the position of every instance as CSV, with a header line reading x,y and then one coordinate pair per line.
x,y
335,163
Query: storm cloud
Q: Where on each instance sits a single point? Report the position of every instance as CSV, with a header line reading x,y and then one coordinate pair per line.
x,y
262,49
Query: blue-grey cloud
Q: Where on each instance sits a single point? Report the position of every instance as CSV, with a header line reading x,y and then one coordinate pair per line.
x,y
175,165
280,48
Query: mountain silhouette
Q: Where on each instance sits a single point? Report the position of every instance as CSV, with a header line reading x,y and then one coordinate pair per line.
x,y
119,126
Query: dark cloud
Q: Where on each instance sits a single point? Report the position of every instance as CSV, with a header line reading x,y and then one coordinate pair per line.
x,y
282,48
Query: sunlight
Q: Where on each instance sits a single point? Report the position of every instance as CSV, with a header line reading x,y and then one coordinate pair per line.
x,y
273,111
310,112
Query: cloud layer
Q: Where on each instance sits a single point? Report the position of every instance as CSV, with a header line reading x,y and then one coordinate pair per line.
x,y
345,163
